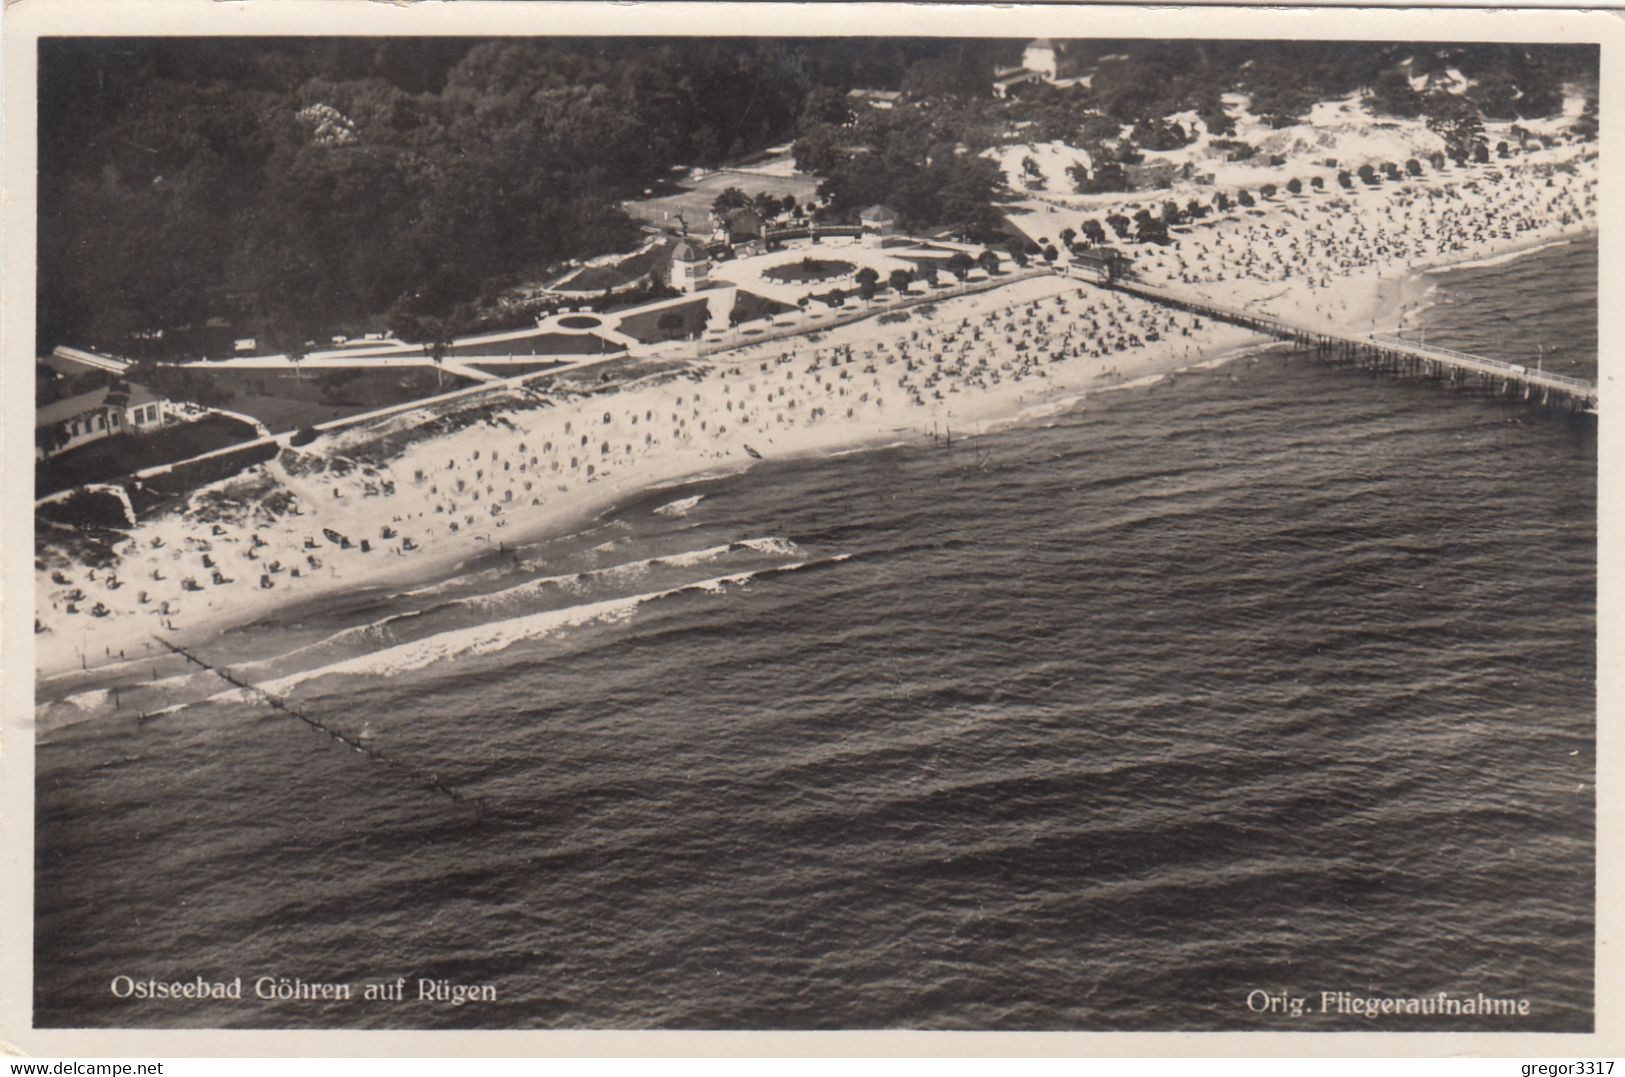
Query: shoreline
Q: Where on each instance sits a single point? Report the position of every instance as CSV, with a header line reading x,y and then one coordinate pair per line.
x,y
68,657
598,499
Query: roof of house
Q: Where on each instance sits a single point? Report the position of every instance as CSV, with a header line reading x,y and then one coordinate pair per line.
x,y
96,399
743,220
65,360
878,213
687,252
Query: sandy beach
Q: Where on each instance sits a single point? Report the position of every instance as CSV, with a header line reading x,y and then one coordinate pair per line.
x,y
408,498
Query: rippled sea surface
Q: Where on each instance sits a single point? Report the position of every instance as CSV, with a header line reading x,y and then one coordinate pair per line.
x,y
1279,677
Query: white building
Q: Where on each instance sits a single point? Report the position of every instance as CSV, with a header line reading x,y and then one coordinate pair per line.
x,y
690,268
1043,60
877,222
91,416
1039,58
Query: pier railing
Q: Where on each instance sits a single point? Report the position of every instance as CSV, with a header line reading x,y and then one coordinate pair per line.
x,y
1496,365
1390,350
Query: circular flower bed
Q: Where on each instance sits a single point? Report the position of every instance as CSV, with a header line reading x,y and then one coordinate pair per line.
x,y
808,270
580,321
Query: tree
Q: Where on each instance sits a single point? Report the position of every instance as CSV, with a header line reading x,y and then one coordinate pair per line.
x,y
1585,125
1368,175
1456,120
1294,185
959,264
1481,154
1094,232
989,262
1268,190
1067,236
1344,180
1019,256
824,105
1050,253
1247,201
1502,150
964,74
1221,202
1392,94
48,439
1107,178
1158,134
1079,175
866,275
1119,224
731,198
436,349
1413,167
1317,182
1280,97
818,151
1152,230
768,206
899,280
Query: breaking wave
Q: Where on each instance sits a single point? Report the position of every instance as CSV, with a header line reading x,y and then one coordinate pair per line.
x,y
680,507
495,636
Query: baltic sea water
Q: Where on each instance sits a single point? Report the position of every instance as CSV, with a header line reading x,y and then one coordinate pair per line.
x,y
1277,677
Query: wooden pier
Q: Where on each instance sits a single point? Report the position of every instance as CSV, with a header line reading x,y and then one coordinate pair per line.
x,y
1387,353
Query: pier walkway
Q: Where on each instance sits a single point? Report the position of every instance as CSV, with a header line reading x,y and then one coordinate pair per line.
x,y
1380,352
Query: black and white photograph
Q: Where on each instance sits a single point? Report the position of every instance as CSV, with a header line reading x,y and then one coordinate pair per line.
x,y
1087,527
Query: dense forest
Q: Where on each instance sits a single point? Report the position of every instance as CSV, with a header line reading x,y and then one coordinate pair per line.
x,y
291,187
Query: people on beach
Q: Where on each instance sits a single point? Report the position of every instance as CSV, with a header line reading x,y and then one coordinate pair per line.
x,y
968,356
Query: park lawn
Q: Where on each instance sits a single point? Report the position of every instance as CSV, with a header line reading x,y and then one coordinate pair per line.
x,y
749,307
645,326
542,344
693,202
284,402
818,269
513,370
279,414
927,261
620,274
121,454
